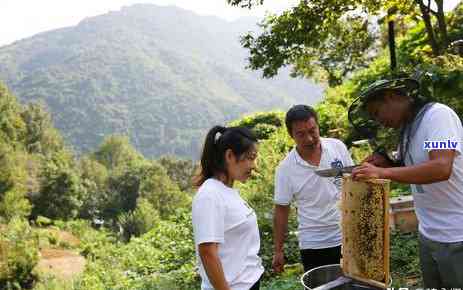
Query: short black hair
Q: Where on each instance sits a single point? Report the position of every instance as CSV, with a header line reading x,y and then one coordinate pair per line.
x,y
299,113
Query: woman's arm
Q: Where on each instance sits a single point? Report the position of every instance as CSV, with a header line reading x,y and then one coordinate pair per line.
x,y
211,262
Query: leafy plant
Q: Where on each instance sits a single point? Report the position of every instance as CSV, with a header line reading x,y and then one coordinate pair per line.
x,y
18,254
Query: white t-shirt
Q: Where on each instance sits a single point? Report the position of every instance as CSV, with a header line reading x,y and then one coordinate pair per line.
x,y
439,206
221,216
315,196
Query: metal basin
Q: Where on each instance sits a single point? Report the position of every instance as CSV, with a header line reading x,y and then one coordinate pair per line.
x,y
322,275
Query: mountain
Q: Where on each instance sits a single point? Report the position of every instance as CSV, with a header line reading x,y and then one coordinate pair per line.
x,y
161,75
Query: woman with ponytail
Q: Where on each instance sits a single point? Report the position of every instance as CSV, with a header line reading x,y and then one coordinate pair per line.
x,y
225,227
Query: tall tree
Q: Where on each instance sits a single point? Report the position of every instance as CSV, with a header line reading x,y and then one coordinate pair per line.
x,y
323,40
61,192
116,151
41,137
12,127
328,39
432,14
180,171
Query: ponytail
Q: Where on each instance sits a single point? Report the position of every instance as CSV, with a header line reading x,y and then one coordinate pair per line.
x,y
218,140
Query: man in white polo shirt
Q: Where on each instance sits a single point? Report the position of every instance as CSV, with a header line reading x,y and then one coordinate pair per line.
x,y
316,197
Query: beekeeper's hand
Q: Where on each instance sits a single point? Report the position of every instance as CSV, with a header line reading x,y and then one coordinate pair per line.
x,y
367,171
377,160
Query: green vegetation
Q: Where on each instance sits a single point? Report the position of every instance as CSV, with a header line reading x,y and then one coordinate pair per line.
x,y
146,237
130,216
329,40
44,182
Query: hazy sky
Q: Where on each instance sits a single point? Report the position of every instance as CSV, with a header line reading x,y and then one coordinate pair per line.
x,y
24,18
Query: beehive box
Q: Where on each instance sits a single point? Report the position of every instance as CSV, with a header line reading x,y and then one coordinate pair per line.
x,y
402,215
365,228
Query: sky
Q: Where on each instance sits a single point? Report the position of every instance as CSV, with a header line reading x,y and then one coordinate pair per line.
x,y
23,18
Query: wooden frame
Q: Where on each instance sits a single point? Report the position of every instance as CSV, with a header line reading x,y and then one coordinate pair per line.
x,y
365,227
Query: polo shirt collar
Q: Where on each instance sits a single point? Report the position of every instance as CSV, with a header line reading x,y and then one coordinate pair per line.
x,y
300,161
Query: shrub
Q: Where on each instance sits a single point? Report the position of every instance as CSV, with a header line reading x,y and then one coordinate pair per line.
x,y
18,255
139,221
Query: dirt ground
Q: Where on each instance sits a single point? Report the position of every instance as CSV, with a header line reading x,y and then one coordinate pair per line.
x,y
62,264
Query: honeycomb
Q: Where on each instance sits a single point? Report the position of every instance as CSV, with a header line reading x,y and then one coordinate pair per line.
x,y
363,223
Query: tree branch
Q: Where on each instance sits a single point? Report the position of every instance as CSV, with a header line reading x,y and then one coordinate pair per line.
x,y
428,25
440,15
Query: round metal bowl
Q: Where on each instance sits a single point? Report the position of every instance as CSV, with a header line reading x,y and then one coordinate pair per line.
x,y
321,275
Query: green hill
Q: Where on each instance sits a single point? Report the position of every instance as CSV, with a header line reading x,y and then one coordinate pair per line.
x,y
161,75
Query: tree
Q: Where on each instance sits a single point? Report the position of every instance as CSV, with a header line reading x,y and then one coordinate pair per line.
x,y
349,45
138,221
161,192
61,193
319,39
149,181
128,176
431,13
116,151
438,38
14,179
19,253
12,127
263,124
180,171
123,191
94,177
41,137
328,39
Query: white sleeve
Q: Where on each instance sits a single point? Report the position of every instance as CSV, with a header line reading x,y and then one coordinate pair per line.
x,y
208,215
283,192
345,154
444,124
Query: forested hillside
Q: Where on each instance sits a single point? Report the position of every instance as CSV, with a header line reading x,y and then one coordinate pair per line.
x,y
160,75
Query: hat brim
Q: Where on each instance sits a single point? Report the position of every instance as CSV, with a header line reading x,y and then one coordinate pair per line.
x,y
358,115
361,120
406,85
